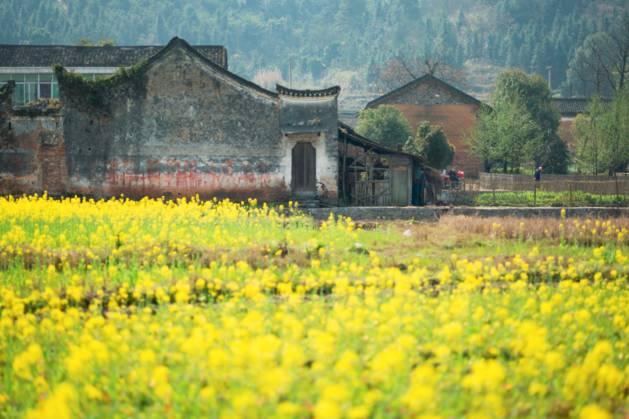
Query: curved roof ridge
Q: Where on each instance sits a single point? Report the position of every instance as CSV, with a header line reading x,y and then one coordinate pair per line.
x,y
184,44
179,42
286,91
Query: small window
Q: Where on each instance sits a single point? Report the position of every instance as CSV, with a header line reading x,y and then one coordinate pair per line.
x,y
30,78
18,94
6,77
45,78
31,92
45,90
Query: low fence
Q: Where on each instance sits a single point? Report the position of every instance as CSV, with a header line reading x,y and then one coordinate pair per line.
x,y
554,183
553,190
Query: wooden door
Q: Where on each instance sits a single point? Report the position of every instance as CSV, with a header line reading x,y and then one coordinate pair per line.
x,y
304,172
399,186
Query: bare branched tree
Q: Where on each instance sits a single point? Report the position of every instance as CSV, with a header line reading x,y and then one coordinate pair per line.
x,y
620,53
589,66
601,65
432,65
401,70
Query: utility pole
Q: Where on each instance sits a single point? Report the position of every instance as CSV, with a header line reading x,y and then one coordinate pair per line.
x,y
290,73
550,79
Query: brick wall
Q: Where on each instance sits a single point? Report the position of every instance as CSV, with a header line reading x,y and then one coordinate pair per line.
x,y
432,100
566,133
457,122
52,161
32,157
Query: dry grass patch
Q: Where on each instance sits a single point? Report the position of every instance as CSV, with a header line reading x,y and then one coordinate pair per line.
x,y
468,230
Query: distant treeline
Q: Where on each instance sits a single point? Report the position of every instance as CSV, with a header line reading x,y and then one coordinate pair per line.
x,y
319,35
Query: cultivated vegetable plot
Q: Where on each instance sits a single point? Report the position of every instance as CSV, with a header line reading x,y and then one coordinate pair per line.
x,y
216,309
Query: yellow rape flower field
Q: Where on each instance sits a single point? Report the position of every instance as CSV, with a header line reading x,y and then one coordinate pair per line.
x,y
185,309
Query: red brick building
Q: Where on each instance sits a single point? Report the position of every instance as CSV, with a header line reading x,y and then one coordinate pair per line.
x,y
431,99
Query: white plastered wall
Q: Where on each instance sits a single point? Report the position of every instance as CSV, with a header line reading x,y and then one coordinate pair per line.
x,y
326,165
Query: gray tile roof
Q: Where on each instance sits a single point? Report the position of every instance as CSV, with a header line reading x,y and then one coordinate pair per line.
x,y
347,132
423,79
573,106
80,56
570,106
286,91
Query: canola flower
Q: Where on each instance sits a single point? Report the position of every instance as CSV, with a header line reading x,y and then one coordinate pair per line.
x,y
219,309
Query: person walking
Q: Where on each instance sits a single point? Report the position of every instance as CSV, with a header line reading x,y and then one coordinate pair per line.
x,y
538,178
538,174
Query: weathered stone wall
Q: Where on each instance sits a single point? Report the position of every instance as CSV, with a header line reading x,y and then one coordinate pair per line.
x,y
32,155
183,129
5,110
175,126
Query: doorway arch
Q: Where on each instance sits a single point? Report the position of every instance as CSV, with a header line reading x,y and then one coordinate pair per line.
x,y
304,170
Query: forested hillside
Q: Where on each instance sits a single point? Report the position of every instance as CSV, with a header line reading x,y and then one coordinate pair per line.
x,y
322,36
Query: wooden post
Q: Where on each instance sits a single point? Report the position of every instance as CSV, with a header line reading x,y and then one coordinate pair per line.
x,y
535,194
493,189
570,188
617,192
